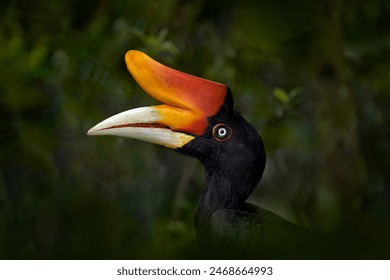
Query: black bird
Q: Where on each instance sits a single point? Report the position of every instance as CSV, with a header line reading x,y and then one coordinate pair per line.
x,y
197,118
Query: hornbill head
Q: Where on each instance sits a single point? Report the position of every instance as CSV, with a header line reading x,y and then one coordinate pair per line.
x,y
197,118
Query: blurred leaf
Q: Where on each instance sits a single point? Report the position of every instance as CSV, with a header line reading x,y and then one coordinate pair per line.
x,y
295,92
281,95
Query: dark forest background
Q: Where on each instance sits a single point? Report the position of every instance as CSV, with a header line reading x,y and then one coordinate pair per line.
x,y
312,76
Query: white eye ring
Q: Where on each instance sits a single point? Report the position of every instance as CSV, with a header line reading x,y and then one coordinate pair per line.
x,y
222,132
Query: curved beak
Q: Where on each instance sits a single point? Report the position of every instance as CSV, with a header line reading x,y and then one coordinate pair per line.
x,y
187,103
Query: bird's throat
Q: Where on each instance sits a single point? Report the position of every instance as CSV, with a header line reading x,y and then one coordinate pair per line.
x,y
220,192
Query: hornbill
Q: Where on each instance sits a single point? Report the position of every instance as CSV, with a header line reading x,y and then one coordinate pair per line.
x,y
197,118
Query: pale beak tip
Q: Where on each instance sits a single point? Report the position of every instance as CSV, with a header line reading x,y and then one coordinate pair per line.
x,y
92,131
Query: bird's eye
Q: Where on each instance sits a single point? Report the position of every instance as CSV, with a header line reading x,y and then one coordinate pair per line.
x,y
222,132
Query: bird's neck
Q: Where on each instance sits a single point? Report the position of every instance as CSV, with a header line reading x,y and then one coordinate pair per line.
x,y
222,191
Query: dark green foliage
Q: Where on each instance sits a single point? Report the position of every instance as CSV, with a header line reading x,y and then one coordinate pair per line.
x,y
312,77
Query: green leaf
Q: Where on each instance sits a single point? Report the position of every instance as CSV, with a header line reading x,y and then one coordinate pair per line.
x,y
281,95
294,92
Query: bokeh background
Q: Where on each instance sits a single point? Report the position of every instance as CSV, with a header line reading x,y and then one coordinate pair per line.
x,y
311,76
